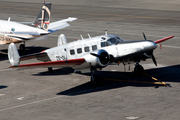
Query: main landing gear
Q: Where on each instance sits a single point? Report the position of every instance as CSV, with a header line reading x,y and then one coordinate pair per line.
x,y
95,80
22,47
50,69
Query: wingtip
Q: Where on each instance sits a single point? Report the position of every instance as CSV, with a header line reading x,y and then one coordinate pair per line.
x,y
164,39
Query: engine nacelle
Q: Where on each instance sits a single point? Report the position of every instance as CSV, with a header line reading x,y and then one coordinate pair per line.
x,y
101,60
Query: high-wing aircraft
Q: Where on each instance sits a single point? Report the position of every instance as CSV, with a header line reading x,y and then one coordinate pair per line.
x,y
91,54
14,32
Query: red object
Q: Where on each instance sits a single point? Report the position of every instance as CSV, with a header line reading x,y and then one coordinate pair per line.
x,y
162,40
54,63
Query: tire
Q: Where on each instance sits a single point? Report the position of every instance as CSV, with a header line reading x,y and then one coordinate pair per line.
x,y
22,47
95,80
138,69
50,69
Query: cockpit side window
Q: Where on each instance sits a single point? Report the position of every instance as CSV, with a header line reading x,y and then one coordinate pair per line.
x,y
103,44
111,41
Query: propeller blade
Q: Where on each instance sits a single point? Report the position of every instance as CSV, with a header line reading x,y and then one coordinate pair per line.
x,y
144,36
93,54
154,60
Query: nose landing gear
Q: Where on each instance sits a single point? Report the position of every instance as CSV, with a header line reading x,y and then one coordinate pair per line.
x,y
138,68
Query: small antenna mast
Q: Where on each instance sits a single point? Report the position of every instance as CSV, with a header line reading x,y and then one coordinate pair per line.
x,y
88,35
81,37
105,32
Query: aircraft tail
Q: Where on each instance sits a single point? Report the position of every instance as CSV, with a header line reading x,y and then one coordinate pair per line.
x,y
13,55
62,40
43,19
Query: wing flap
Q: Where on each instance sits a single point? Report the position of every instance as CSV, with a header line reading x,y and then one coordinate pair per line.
x,y
67,63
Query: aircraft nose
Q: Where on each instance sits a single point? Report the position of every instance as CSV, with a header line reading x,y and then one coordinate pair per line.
x,y
150,45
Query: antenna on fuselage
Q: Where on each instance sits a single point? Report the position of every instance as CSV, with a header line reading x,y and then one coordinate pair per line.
x,y
88,35
9,19
105,32
81,37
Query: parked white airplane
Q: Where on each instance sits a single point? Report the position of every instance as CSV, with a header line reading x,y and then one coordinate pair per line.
x,y
14,32
89,55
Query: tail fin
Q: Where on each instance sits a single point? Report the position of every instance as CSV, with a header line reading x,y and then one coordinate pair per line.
x,y
43,19
13,55
62,40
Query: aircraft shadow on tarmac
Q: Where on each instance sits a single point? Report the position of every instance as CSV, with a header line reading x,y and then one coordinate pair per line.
x,y
29,50
3,86
165,74
61,71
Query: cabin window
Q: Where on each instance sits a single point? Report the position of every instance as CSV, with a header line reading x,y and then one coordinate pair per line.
x,y
86,49
94,47
72,52
79,50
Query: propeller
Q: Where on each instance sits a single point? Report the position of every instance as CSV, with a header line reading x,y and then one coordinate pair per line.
x,y
103,57
144,36
96,55
153,59
152,56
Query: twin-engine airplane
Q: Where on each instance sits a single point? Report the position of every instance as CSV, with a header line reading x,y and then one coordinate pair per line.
x,y
14,32
89,55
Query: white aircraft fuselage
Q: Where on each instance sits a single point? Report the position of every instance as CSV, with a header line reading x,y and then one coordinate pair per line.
x,y
111,44
15,32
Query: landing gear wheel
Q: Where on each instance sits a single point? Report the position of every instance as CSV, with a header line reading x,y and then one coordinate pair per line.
x,y
50,69
138,69
95,80
22,47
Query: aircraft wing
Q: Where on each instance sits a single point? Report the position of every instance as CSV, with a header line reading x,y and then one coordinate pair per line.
x,y
61,63
55,26
26,23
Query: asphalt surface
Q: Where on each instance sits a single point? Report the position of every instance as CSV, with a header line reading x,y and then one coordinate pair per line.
x,y
36,94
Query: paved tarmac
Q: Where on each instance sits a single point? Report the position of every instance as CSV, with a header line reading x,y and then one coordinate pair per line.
x,y
35,94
